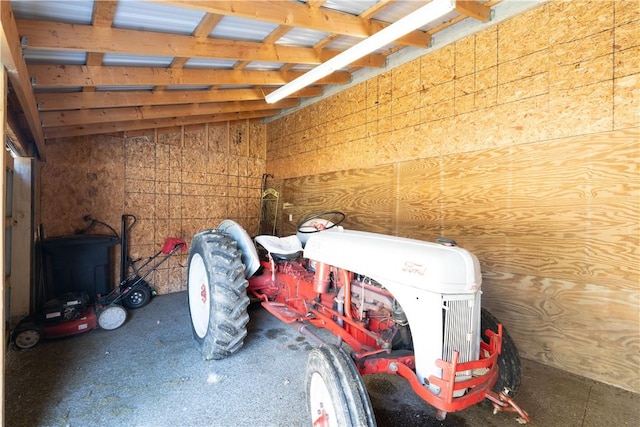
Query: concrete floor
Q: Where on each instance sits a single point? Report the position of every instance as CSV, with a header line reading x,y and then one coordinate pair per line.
x,y
149,373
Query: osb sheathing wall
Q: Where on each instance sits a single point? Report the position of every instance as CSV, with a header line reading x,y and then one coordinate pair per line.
x,y
522,144
176,182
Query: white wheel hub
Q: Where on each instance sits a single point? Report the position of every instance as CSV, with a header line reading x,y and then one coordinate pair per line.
x,y
198,288
27,338
112,317
320,401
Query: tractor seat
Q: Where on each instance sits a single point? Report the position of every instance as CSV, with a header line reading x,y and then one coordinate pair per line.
x,y
286,248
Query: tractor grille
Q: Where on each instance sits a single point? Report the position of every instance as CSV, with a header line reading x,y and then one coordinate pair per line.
x,y
461,321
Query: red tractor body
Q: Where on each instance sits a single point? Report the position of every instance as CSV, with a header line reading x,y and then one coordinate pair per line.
x,y
402,306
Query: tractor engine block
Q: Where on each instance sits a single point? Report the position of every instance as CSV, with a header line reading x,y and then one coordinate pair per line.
x,y
378,310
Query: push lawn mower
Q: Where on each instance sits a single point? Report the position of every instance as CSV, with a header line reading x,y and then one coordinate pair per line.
x,y
73,313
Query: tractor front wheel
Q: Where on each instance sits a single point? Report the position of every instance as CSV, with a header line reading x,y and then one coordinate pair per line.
x,y
336,395
217,293
508,361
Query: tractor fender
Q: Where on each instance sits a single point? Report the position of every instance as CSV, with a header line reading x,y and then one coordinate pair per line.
x,y
245,244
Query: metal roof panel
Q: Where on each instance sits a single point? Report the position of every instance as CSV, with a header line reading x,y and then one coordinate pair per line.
x,y
214,64
126,60
148,16
73,12
234,28
54,57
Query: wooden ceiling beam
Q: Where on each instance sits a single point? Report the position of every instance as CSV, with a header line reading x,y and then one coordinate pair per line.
x,y
300,15
61,76
138,98
103,13
86,117
202,31
62,36
376,8
11,58
102,128
473,9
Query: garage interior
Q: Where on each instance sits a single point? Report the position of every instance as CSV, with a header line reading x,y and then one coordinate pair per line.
x,y
511,127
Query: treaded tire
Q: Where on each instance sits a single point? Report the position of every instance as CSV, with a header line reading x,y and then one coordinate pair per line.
x,y
508,361
333,385
138,297
217,294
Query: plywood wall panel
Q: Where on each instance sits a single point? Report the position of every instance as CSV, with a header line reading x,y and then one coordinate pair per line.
x,y
627,61
465,58
486,49
626,101
515,156
196,137
626,11
417,212
238,140
175,181
218,137
587,108
577,324
170,136
439,67
366,196
403,81
522,29
576,20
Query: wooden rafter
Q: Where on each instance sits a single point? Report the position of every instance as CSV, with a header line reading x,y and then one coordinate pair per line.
x,y
473,9
114,115
140,97
103,12
62,36
109,99
11,54
60,76
202,31
300,15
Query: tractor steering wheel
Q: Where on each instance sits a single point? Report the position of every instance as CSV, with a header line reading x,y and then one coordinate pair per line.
x,y
320,221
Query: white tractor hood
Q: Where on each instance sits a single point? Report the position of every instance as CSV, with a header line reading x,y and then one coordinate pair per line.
x,y
431,267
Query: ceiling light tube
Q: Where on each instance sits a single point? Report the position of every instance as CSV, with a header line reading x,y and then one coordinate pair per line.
x,y
427,13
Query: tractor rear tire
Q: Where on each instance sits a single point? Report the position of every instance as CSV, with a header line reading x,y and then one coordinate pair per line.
x,y
336,396
508,361
217,294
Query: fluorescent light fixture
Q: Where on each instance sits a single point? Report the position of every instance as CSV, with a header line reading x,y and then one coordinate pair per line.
x,y
427,13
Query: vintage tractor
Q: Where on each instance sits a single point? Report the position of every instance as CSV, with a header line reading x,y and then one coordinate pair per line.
x,y
396,305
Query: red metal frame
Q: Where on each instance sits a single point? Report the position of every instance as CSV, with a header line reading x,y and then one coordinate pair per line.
x,y
295,294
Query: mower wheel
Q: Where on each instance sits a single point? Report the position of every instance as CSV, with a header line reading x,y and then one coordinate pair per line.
x,y
112,317
336,395
26,335
217,293
137,297
510,370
